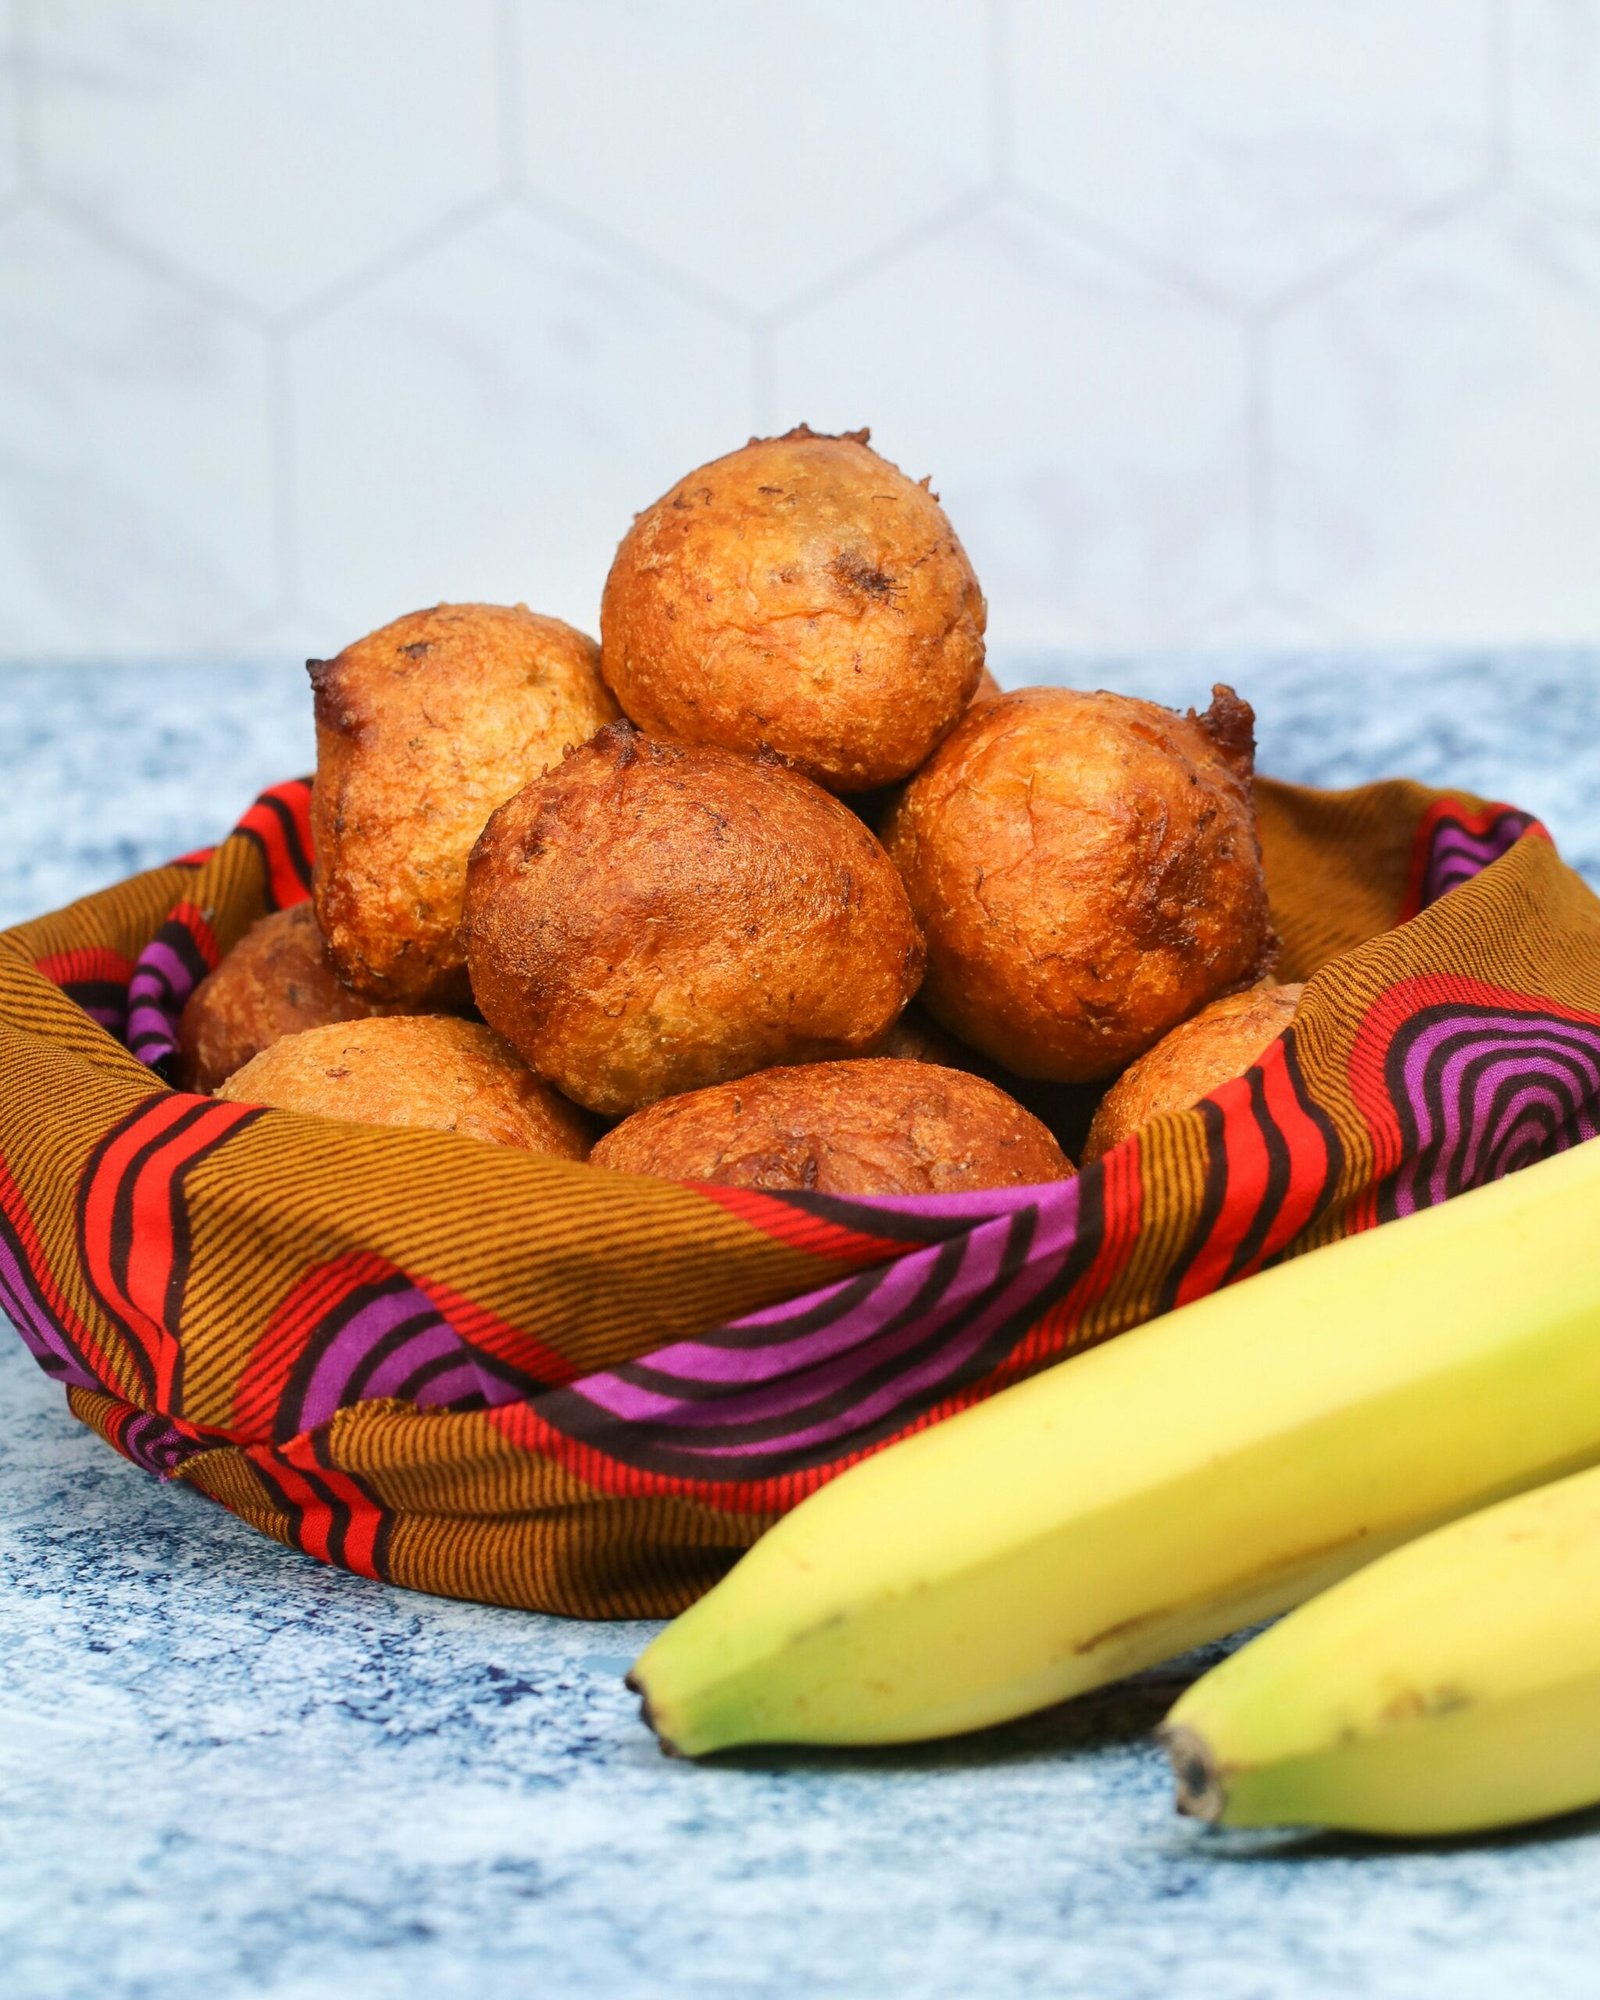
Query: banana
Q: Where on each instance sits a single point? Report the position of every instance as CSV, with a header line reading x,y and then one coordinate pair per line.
x,y
1205,1470
1451,1686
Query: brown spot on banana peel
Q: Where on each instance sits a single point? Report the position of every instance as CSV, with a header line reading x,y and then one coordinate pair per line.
x,y
1202,1792
634,1685
1417,1704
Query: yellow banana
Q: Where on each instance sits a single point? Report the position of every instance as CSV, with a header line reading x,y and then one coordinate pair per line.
x,y
1205,1470
1451,1686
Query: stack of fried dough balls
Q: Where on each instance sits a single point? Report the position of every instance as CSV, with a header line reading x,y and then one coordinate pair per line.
x,y
559,885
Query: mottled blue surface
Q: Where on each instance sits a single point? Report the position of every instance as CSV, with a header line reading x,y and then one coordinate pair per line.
x,y
226,1771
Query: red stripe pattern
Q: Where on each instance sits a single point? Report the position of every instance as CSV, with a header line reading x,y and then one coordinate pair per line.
x,y
382,1415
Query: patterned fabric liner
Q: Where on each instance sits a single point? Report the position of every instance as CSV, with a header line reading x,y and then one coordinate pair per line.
x,y
483,1374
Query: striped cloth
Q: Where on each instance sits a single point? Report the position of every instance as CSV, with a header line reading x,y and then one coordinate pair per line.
x,y
475,1372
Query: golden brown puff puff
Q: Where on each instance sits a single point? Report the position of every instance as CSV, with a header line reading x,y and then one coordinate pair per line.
x,y
652,917
423,728
873,1127
871,806
1192,1060
427,1070
274,982
800,594
1087,873
1064,1109
916,1038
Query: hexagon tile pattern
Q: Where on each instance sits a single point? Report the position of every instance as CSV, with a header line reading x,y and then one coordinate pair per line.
x,y
757,153
1226,319
1555,98
1086,429
271,150
135,496
1425,474
1248,142
485,423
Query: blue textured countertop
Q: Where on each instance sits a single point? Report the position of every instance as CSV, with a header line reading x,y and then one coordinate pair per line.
x,y
228,1771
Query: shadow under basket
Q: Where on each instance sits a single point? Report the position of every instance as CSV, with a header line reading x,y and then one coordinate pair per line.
x,y
475,1372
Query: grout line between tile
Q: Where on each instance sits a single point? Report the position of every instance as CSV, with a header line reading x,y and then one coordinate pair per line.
x,y
1499,78
154,263
25,69
1112,243
633,256
285,494
763,380
1259,489
1382,244
1001,108
399,257
890,251
508,56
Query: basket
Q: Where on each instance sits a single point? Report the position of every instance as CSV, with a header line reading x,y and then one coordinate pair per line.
x,y
476,1372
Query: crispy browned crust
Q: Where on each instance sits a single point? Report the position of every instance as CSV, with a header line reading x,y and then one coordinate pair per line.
x,y
871,806
1064,1109
916,1038
800,593
1087,873
423,728
274,982
651,917
1192,1060
878,1126
427,1070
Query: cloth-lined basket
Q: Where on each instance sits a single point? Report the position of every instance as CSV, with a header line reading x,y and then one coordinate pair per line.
x,y
471,1371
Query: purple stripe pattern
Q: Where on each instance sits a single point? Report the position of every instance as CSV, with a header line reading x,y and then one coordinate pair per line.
x,y
1479,1091
169,968
105,1004
785,1388
1456,853
153,1443
1483,1091
388,1339
42,1333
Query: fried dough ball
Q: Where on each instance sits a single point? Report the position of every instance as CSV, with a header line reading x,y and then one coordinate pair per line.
x,y
652,917
988,689
800,594
1192,1060
914,1038
872,1127
871,806
428,1070
423,728
1087,873
275,981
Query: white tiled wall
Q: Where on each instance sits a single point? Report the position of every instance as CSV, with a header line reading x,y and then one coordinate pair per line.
x,y
1214,320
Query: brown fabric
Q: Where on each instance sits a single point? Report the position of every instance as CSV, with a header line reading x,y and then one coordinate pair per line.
x,y
485,1374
